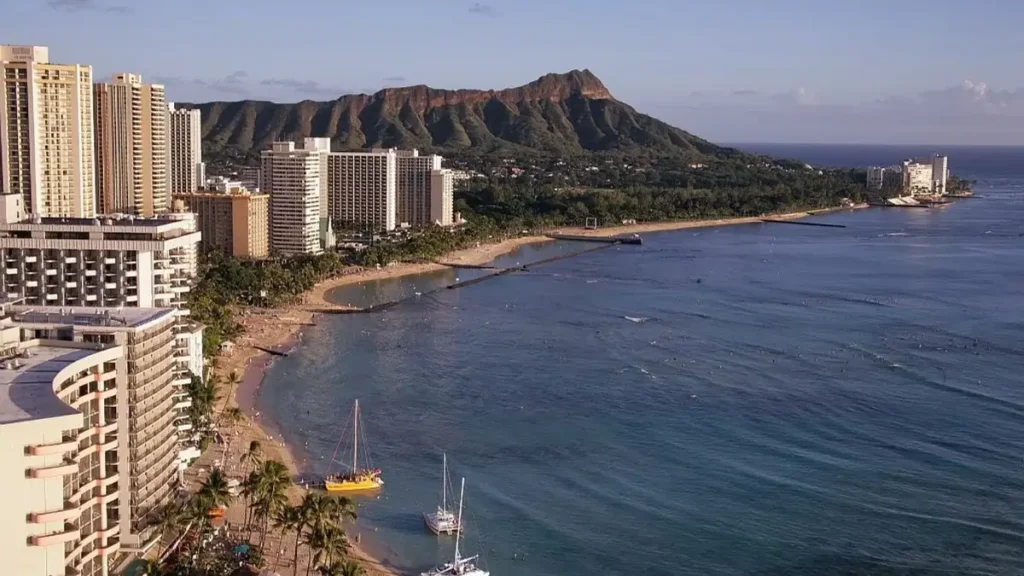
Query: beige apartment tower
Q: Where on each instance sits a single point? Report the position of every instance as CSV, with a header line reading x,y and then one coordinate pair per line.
x,y
292,179
233,222
131,146
186,170
413,186
46,133
442,197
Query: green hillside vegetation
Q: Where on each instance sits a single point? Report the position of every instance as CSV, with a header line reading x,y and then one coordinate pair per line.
x,y
557,114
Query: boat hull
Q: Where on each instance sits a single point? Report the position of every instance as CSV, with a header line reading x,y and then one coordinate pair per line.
x,y
353,485
440,527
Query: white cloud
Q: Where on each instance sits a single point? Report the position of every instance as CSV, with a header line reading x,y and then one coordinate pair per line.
x,y
971,112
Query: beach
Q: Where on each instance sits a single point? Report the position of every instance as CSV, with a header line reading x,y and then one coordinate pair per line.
x,y
281,329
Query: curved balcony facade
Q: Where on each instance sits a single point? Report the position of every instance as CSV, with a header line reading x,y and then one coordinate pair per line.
x,y
53,414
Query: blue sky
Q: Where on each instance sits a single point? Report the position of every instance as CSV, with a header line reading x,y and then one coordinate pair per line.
x,y
734,70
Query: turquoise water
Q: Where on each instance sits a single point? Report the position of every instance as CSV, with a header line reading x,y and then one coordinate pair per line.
x,y
799,401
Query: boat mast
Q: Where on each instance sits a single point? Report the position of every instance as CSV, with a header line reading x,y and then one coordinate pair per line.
x,y
355,439
458,533
444,484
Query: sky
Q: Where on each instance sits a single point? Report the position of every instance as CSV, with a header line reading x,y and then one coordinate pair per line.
x,y
861,71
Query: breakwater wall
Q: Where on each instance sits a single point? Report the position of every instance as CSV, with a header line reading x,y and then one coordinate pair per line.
x,y
599,239
801,223
497,272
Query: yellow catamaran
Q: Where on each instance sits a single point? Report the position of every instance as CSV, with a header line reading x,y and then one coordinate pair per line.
x,y
357,479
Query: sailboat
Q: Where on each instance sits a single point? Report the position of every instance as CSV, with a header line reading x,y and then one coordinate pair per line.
x,y
443,521
459,566
357,479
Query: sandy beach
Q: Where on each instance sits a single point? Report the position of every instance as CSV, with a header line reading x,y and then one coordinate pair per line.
x,y
317,298
281,329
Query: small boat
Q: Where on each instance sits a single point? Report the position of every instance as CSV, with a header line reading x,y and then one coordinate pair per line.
x,y
357,479
443,521
459,566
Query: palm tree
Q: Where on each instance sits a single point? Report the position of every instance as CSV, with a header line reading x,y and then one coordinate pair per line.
x,y
234,415
250,491
324,516
233,380
329,543
254,455
317,510
289,518
274,482
215,489
341,568
169,519
344,510
151,568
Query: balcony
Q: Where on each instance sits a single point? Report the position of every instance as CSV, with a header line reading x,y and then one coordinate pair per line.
x,y
70,510
31,283
88,487
71,284
12,270
90,297
90,272
51,296
110,285
112,547
110,260
70,260
68,466
51,272
31,259
69,534
68,445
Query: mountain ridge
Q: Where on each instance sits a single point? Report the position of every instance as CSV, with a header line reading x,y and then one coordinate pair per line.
x,y
564,114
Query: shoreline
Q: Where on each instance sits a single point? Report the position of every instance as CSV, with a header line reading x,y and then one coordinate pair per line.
x,y
283,328
319,297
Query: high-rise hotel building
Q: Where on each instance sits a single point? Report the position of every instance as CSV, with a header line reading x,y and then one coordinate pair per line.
x,y
362,189
186,170
413,186
292,178
232,221
46,133
442,197
131,146
105,262
88,452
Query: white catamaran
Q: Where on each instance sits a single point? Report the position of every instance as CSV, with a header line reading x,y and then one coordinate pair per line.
x,y
459,566
443,521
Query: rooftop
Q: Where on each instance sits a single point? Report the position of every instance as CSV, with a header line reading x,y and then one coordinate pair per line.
x,y
105,221
89,316
26,393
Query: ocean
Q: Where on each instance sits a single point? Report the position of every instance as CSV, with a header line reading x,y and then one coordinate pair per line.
x,y
761,400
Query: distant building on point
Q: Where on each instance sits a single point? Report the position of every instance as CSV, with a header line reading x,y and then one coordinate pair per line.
x,y
914,177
